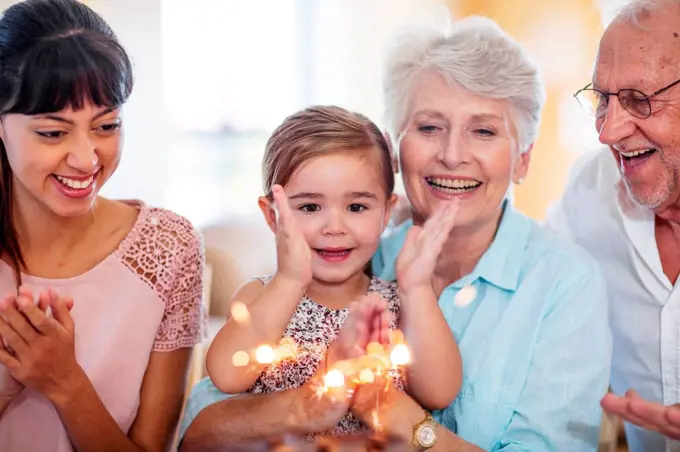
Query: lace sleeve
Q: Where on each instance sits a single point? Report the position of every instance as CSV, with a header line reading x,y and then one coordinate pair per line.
x,y
166,252
184,321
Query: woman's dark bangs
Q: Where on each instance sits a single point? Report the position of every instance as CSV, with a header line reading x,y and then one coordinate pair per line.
x,y
71,72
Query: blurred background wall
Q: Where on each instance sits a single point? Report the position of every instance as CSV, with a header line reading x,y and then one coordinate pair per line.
x,y
214,77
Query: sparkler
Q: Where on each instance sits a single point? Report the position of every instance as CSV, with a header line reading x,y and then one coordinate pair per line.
x,y
240,313
378,360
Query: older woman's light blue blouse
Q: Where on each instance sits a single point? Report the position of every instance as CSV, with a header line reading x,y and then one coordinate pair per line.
x,y
535,341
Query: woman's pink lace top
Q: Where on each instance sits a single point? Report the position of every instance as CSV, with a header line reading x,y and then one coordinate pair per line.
x,y
145,297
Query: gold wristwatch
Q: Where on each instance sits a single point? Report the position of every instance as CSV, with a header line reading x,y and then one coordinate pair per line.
x,y
425,433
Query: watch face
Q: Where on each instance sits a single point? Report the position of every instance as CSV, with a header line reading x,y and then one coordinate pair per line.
x,y
426,435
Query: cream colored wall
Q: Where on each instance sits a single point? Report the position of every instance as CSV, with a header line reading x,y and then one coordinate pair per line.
x,y
562,36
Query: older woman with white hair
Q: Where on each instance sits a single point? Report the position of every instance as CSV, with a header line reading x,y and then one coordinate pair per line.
x,y
528,309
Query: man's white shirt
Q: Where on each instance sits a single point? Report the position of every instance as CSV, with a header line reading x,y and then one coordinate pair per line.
x,y
596,212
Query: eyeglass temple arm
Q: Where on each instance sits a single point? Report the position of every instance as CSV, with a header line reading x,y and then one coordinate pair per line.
x,y
664,88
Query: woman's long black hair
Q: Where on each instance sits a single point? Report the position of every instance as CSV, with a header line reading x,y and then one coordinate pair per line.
x,y
54,54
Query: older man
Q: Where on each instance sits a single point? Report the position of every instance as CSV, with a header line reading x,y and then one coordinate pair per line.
x,y
623,205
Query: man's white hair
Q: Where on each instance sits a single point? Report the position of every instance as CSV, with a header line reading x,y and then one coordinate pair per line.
x,y
473,53
636,11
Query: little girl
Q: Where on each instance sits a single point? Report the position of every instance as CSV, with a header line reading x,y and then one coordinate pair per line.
x,y
328,181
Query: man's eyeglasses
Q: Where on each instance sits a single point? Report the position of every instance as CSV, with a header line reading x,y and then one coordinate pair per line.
x,y
635,102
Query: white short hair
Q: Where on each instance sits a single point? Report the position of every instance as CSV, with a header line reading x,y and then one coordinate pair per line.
x,y
636,11
473,53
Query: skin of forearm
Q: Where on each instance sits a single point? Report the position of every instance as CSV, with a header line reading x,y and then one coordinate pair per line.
x,y
241,419
89,425
448,442
435,376
5,402
270,314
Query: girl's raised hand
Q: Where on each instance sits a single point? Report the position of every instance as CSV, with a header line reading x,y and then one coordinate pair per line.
x,y
294,256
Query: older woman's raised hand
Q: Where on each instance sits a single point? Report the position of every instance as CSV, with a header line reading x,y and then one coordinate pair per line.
x,y
417,260
293,254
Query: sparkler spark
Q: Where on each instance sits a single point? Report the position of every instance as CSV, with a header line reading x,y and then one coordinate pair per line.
x,y
378,360
376,420
286,350
334,379
366,376
374,348
240,313
240,359
396,337
264,354
400,355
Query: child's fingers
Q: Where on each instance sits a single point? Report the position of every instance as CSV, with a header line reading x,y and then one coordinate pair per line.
x,y
282,208
375,329
378,317
370,305
376,302
385,327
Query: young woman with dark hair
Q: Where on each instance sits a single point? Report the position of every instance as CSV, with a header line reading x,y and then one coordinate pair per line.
x,y
108,374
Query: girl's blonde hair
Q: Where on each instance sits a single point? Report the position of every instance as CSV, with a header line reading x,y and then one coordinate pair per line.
x,y
321,130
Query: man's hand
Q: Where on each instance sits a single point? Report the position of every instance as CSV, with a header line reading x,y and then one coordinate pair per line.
x,y
648,415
